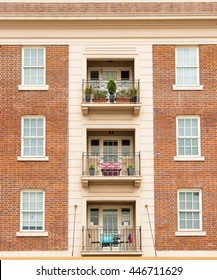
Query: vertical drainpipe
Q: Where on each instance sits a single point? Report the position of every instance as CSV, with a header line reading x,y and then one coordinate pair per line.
x,y
73,239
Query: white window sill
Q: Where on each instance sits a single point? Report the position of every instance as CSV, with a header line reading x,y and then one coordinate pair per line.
x,y
175,87
190,233
21,87
192,158
31,234
32,158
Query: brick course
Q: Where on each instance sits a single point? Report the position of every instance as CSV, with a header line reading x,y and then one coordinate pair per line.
x,y
170,175
50,176
114,9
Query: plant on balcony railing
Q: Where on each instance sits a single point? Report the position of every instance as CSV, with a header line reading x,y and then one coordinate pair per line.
x,y
111,86
121,91
91,169
133,93
99,96
89,91
112,164
131,170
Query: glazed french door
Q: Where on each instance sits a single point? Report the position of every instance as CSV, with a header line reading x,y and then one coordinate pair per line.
x,y
110,220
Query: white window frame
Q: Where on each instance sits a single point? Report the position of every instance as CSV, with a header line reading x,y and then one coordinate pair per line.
x,y
188,157
197,86
190,232
34,87
29,232
31,157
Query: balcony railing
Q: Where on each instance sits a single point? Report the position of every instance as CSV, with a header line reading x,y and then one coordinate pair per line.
x,y
111,165
127,91
105,240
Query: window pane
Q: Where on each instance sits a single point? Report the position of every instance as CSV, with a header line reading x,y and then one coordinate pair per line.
x,y
181,151
94,216
196,196
182,224
94,75
189,224
196,224
125,216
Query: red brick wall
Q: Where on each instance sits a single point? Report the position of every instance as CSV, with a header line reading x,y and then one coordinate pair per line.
x,y
170,175
50,176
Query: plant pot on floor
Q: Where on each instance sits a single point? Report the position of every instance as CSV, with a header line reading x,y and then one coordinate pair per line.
x,y
131,171
91,171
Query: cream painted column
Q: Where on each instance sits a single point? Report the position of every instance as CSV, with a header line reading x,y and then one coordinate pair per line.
x,y
75,149
146,142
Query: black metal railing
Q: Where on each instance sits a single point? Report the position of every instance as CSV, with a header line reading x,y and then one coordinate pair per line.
x,y
127,91
111,165
118,240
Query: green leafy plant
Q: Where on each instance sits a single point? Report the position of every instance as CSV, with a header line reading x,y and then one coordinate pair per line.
x,y
111,86
98,94
89,90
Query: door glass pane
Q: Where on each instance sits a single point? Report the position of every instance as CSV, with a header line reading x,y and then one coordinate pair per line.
x,y
125,147
110,151
125,75
106,75
94,147
94,217
125,216
94,75
110,220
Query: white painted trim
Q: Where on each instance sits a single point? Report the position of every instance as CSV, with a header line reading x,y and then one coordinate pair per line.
x,y
32,158
31,234
28,254
188,88
189,253
193,158
190,233
21,87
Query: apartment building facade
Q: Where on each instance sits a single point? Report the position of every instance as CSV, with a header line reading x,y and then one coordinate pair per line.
x,y
69,143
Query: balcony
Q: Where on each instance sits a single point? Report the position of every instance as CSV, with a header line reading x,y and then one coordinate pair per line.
x,y
95,97
111,168
121,241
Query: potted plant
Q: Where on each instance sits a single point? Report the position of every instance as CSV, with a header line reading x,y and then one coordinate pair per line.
x,y
133,92
122,97
111,86
131,170
100,96
88,93
91,169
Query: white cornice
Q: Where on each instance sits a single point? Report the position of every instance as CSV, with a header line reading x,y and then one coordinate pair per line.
x,y
98,17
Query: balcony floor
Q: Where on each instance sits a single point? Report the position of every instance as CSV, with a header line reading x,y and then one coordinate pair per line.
x,y
135,180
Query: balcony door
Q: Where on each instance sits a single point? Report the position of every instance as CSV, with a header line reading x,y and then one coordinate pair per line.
x,y
110,147
106,73
110,218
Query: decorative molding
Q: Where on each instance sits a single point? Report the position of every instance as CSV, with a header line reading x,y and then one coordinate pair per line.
x,y
107,23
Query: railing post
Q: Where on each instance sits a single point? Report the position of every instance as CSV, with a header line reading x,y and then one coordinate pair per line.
x,y
140,237
82,163
82,238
